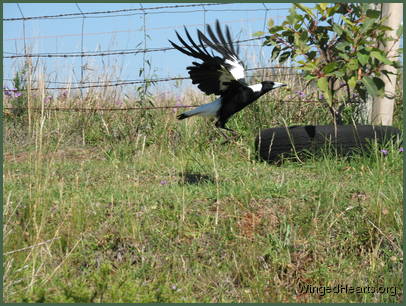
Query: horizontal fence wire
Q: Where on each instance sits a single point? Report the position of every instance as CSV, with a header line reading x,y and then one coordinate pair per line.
x,y
127,31
111,52
107,109
151,81
88,14
140,11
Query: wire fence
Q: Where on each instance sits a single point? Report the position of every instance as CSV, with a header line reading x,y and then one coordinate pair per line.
x,y
111,109
144,11
111,52
95,84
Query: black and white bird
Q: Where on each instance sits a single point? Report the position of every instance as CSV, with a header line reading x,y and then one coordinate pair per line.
x,y
223,76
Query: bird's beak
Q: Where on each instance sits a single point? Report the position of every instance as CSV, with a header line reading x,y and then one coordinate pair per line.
x,y
276,85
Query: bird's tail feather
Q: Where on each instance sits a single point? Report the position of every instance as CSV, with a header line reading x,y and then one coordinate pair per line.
x,y
209,109
182,116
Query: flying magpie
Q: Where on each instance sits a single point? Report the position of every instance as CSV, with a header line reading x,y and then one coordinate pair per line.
x,y
223,76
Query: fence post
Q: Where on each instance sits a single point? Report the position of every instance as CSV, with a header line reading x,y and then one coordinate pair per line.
x,y
382,107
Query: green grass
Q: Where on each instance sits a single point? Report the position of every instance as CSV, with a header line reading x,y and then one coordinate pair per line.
x,y
139,210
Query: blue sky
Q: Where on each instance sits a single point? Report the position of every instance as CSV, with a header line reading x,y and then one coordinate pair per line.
x,y
122,31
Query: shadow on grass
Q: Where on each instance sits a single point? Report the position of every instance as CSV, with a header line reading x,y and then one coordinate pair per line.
x,y
190,178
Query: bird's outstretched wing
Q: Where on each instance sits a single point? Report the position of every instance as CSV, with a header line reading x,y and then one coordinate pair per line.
x,y
215,74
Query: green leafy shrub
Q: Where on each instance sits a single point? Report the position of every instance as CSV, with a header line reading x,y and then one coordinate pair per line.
x,y
337,48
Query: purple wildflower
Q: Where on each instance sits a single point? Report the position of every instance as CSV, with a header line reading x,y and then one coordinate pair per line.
x,y
401,149
384,152
119,102
164,182
47,99
300,94
13,92
64,94
321,96
8,92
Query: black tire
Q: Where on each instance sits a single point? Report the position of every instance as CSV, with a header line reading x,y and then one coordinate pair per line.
x,y
274,143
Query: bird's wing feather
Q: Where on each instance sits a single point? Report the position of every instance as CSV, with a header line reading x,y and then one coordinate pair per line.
x,y
215,74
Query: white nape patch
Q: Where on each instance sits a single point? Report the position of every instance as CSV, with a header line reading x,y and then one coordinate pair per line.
x,y
209,109
238,70
256,87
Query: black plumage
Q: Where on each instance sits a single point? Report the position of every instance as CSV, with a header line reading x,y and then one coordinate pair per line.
x,y
223,76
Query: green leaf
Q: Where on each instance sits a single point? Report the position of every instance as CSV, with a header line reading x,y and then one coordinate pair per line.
x,y
363,58
309,66
333,9
270,23
352,64
344,56
284,56
352,82
291,18
323,6
304,36
337,73
330,67
370,86
309,77
275,52
337,29
342,46
373,14
367,25
380,57
322,83
258,34
383,27
305,9
275,29
380,85
347,21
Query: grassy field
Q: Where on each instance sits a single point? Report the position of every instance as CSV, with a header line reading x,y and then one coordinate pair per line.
x,y
138,207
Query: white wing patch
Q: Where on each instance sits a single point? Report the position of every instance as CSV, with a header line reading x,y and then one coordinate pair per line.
x,y
256,87
234,74
237,69
209,109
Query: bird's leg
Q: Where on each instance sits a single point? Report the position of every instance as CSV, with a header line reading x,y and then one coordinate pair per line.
x,y
221,126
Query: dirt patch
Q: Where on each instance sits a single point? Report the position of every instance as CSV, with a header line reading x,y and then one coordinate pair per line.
x,y
264,218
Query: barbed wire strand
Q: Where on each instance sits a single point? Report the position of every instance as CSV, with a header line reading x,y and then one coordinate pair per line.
x,y
111,52
108,12
84,109
127,31
152,81
157,80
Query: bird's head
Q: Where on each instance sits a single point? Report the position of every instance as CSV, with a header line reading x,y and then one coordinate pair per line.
x,y
269,85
